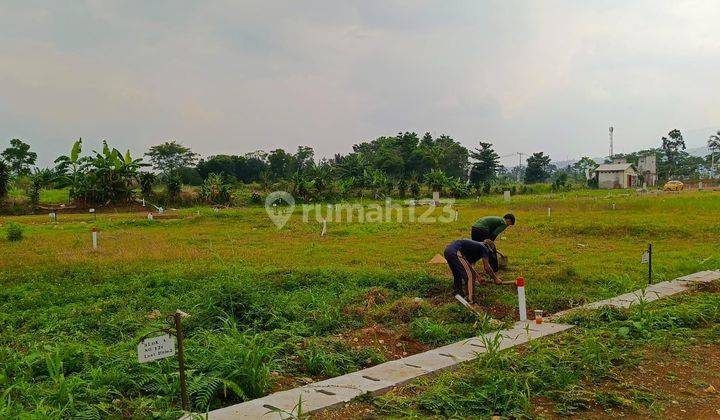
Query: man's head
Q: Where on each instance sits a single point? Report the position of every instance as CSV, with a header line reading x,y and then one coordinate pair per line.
x,y
509,219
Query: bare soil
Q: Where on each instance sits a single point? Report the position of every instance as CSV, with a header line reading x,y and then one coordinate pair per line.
x,y
684,386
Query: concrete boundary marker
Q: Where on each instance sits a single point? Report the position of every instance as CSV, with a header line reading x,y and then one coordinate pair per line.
x,y
381,378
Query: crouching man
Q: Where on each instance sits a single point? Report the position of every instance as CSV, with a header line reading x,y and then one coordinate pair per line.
x,y
460,256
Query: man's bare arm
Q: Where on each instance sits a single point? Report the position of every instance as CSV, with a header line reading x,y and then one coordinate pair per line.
x,y
489,270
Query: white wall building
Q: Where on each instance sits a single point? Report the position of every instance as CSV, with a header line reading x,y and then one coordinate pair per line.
x,y
616,175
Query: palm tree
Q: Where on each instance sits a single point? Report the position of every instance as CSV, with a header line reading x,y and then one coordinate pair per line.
x,y
714,146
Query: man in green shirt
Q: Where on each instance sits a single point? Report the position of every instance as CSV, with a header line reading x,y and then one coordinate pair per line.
x,y
489,227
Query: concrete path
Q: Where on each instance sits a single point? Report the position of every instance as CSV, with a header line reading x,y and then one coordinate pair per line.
x,y
651,293
382,378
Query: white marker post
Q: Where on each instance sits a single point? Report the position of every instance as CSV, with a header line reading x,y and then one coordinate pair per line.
x,y
613,206
150,217
324,229
94,238
457,214
548,212
520,282
93,213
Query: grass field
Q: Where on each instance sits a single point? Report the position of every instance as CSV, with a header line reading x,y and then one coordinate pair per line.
x,y
272,309
656,360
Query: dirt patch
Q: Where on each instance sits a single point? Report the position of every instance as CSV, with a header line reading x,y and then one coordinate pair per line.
x,y
683,386
393,344
710,287
354,410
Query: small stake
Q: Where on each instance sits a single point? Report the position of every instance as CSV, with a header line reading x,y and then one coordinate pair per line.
x,y
548,211
649,263
93,213
94,238
324,228
520,282
457,214
150,217
613,206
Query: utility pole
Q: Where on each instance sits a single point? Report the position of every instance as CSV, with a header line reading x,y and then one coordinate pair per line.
x,y
611,142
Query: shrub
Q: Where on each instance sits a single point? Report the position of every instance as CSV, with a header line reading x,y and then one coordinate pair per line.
x,y
14,232
174,186
214,190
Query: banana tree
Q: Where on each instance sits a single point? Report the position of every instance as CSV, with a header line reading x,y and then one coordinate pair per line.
x,y
70,170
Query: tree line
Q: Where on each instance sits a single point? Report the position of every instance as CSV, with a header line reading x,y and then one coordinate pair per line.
x,y
404,165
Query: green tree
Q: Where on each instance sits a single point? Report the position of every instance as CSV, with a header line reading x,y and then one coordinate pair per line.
x,y
70,169
713,144
584,168
436,180
4,179
106,176
170,156
19,157
147,180
538,168
280,164
487,163
672,146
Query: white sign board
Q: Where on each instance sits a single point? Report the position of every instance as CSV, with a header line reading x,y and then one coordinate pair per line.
x,y
155,348
645,258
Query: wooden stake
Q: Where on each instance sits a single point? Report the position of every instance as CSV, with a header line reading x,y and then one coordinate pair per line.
x,y
181,360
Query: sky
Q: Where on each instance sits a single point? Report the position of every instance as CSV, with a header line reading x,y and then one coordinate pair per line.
x,y
232,77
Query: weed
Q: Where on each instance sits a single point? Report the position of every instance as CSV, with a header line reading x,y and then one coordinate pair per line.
x,y
14,232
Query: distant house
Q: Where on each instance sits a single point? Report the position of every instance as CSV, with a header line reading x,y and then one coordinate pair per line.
x,y
617,175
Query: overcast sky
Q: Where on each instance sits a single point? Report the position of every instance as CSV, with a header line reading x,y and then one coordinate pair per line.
x,y
234,77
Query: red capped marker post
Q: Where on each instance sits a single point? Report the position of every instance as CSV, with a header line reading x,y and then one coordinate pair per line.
x,y
520,282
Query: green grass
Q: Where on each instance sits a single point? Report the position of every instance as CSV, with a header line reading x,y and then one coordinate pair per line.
x,y
47,196
269,304
563,369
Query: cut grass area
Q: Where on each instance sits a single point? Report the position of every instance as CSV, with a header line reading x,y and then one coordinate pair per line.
x,y
272,307
47,196
575,373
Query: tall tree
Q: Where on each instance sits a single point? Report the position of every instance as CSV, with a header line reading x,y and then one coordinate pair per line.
x,y
487,163
19,157
713,144
538,168
171,156
672,146
4,178
584,168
